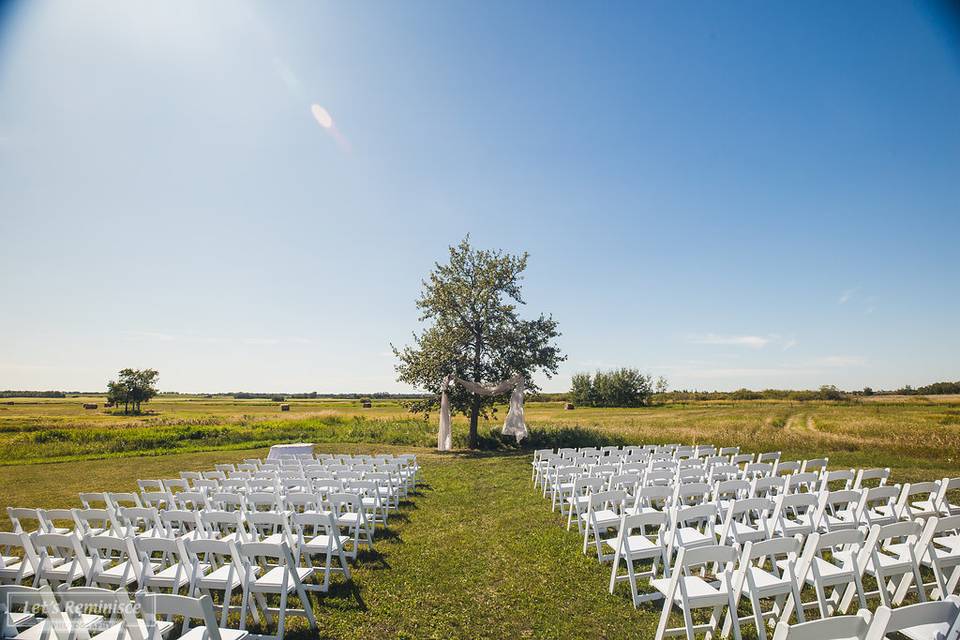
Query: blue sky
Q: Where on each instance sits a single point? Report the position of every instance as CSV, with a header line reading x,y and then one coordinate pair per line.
x,y
728,194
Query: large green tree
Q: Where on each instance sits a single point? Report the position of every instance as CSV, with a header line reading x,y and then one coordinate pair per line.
x,y
475,332
133,387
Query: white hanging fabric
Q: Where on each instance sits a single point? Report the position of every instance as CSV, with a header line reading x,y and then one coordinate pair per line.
x,y
514,425
444,435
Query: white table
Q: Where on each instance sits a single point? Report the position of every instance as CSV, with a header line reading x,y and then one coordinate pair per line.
x,y
296,449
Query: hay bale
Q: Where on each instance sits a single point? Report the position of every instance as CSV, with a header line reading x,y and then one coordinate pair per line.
x,y
569,406
284,407
89,405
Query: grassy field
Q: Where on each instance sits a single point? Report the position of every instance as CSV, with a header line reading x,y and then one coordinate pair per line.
x,y
477,553
913,432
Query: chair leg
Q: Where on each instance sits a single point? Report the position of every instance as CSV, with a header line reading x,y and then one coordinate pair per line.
x,y
262,601
245,602
821,600
307,607
664,618
282,614
225,609
326,570
688,622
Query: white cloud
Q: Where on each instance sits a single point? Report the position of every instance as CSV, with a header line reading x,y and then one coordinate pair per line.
x,y
846,295
789,344
261,341
753,342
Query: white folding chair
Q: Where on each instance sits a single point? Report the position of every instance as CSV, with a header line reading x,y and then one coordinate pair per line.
x,y
165,564
113,562
648,544
51,520
939,551
269,527
758,582
922,621
726,491
838,572
20,608
747,520
184,523
944,505
578,499
25,520
838,628
879,505
604,510
224,525
693,527
62,559
138,521
187,608
93,522
317,534
865,476
352,517
281,576
689,589
919,500
839,510
116,617
889,555
794,515
217,566
19,558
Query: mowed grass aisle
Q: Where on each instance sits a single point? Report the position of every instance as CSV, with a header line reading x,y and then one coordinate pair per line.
x,y
477,553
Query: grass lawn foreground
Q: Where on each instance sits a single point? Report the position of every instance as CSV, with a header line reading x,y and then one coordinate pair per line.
x,y
477,552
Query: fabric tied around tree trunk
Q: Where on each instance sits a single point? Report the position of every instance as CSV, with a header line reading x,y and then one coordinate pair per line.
x,y
514,425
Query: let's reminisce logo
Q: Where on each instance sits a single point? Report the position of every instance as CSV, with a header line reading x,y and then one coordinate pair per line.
x,y
59,612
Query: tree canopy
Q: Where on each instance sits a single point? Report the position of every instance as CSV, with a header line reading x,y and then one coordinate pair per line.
x,y
623,387
133,387
474,331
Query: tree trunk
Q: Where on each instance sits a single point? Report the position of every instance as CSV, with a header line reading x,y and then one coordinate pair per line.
x,y
474,441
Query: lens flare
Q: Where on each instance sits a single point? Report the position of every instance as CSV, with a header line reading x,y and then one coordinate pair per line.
x,y
322,116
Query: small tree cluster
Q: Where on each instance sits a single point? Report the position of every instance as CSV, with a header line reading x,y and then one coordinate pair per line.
x,y
132,387
617,388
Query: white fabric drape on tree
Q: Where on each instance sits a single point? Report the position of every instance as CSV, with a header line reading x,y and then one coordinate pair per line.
x,y
514,425
444,435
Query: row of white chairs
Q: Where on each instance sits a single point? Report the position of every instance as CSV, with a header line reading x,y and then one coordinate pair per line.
x,y
922,621
197,566
82,613
185,535
630,512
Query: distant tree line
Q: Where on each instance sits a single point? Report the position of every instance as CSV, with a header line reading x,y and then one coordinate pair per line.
x,y
935,389
313,395
32,394
624,387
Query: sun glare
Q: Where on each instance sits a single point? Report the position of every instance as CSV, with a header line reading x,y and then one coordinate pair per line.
x,y
322,116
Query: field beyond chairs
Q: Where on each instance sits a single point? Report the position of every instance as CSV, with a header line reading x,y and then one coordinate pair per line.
x,y
729,532
266,531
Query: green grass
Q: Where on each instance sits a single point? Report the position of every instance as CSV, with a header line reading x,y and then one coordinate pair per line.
x,y
477,553
908,432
